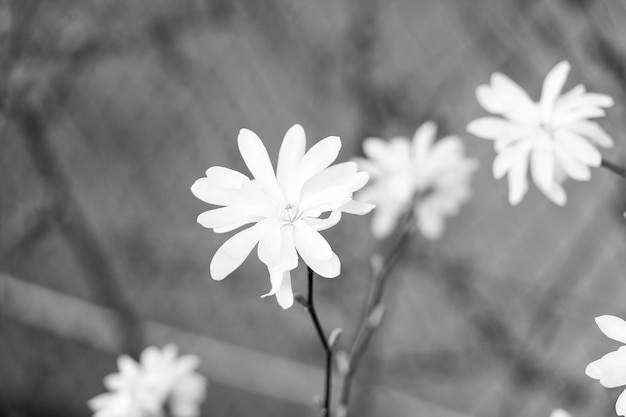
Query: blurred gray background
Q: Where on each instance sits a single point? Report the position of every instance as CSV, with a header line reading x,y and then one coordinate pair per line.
x,y
110,110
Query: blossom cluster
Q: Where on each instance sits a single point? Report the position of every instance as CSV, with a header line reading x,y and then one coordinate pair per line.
x,y
160,381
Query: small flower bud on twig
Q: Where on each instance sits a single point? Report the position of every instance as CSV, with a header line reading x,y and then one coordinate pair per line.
x,y
343,362
334,337
376,316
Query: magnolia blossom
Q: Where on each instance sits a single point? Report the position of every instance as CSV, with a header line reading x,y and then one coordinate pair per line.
x,y
556,135
430,177
160,380
610,369
287,208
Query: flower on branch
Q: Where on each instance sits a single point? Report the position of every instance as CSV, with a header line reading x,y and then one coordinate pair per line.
x,y
555,136
288,208
160,381
432,178
610,370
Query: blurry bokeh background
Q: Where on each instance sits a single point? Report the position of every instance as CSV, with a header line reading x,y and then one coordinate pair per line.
x,y
112,108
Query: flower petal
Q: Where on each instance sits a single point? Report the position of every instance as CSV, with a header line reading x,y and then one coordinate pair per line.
x,y
384,220
593,370
612,369
593,132
269,245
277,275
326,200
612,327
357,207
518,183
620,404
329,268
308,241
572,167
489,100
552,87
491,128
579,148
423,139
235,250
289,156
255,156
227,216
542,168
284,295
319,157
323,224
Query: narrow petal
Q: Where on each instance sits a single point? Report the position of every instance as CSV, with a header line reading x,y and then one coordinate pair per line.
x,y
612,327
323,201
210,193
269,245
593,370
516,105
235,250
490,128
593,132
542,169
226,216
612,369
289,156
620,404
323,224
319,157
357,207
423,140
518,183
255,156
341,175
552,87
579,148
577,115
488,100
284,295
556,194
226,177
506,158
572,167
310,242
277,275
329,268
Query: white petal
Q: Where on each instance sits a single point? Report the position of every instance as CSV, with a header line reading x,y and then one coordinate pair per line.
x,y
341,175
269,245
289,156
490,128
552,87
319,157
556,194
326,200
488,100
323,224
329,268
593,370
579,148
572,167
378,151
208,192
518,183
277,275
308,241
505,160
357,207
577,115
226,177
227,216
613,327
542,169
235,250
612,369
384,220
423,140
255,155
284,295
620,405
430,221
516,105
593,132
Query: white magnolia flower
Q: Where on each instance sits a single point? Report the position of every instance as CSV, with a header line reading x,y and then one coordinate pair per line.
x,y
286,207
430,177
161,380
610,369
555,135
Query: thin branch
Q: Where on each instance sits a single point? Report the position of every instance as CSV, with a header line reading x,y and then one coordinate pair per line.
x,y
614,168
309,306
374,311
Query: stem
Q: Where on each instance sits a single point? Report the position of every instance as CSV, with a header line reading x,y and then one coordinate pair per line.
x,y
368,326
614,168
310,308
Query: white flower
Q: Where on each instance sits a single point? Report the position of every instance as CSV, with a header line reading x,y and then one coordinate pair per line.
x,y
285,207
430,177
554,135
161,379
610,369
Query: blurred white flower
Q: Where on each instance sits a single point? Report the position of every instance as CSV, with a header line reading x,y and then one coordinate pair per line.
x,y
560,413
429,177
161,380
610,369
555,135
286,207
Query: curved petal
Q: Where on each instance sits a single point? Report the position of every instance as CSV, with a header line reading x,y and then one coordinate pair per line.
x,y
593,370
205,190
229,215
341,175
284,295
289,156
310,243
319,157
612,327
490,128
518,183
488,100
556,194
328,268
323,224
277,275
270,244
423,139
552,87
572,167
357,207
612,369
593,132
579,148
255,155
226,177
235,250
620,404
326,200
516,105
542,169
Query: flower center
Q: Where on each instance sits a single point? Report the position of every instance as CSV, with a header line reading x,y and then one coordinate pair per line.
x,y
288,212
